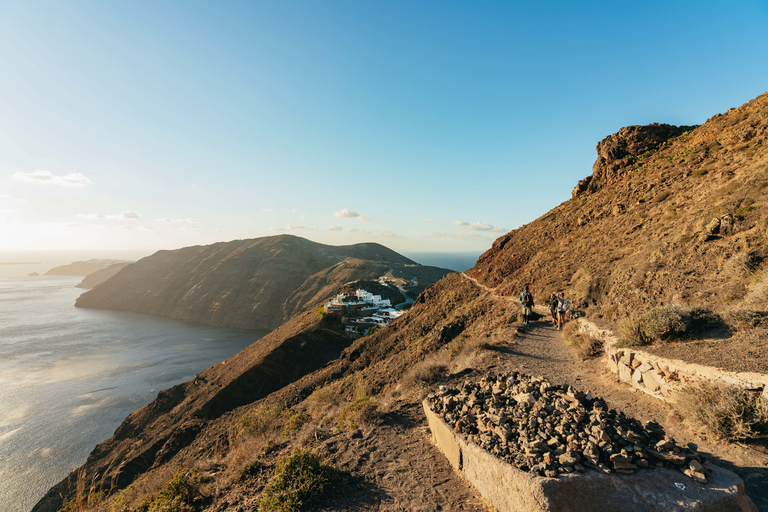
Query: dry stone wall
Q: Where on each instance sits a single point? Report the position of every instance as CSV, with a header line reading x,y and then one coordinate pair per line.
x,y
660,377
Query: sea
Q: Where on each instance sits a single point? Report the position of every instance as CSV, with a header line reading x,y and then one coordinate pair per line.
x,y
69,376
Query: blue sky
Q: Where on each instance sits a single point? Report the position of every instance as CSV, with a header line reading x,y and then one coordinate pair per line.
x,y
425,126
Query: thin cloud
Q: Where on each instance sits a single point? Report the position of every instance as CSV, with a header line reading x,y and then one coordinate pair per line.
x,y
346,214
73,179
101,216
294,227
381,234
428,220
177,221
332,228
479,226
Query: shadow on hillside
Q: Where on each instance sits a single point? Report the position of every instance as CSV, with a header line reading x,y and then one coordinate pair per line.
x,y
351,493
400,418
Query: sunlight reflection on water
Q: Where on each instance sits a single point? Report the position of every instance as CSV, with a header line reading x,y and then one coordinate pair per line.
x,y
69,376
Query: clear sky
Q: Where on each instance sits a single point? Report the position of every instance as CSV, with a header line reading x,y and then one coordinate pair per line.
x,y
422,125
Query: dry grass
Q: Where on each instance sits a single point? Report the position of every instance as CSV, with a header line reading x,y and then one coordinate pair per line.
x,y
360,412
424,373
584,344
743,319
727,413
739,265
661,323
260,421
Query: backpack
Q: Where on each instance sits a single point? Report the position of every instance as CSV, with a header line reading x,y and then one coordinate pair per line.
x,y
564,305
526,299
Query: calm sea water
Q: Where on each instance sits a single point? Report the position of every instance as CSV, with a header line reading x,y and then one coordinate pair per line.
x,y
69,376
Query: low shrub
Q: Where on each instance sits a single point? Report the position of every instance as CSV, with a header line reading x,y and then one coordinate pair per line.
x,y
727,413
424,372
739,265
584,344
294,423
259,421
744,319
300,479
362,410
658,324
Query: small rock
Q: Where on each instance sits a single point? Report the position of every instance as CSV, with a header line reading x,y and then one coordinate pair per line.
x,y
696,476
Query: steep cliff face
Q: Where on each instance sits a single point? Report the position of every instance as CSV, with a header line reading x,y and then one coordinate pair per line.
x,y
251,284
659,221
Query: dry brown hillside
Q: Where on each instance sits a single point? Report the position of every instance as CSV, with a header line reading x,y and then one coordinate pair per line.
x,y
668,215
249,284
661,220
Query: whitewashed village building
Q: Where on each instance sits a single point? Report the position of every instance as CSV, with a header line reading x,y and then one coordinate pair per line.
x,y
362,310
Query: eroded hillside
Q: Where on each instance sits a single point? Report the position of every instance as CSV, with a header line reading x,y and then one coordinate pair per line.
x,y
663,213
662,219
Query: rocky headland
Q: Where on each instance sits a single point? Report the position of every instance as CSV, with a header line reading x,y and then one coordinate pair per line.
x,y
248,284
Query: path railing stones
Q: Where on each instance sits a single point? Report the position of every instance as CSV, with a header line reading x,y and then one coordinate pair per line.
x,y
527,444
660,377
549,430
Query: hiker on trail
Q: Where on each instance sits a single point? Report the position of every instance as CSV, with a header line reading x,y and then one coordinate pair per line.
x,y
553,304
562,307
526,301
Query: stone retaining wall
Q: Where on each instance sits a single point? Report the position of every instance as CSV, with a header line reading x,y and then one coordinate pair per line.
x,y
509,489
660,377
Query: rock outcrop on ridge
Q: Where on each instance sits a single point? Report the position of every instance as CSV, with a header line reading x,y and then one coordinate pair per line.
x,y
646,236
249,284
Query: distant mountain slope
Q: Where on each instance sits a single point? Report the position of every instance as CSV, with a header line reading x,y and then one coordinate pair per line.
x,y
669,215
256,283
81,268
96,278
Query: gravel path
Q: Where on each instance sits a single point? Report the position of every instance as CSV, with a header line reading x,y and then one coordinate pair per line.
x,y
540,350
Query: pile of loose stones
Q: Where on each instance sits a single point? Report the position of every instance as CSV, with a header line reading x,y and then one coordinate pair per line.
x,y
550,430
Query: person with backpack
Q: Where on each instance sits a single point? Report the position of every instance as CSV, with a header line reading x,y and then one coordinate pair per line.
x,y
553,304
562,309
526,301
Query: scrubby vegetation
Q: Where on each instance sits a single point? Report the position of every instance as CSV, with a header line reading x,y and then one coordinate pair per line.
x,y
361,411
584,344
666,323
727,413
300,478
259,421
